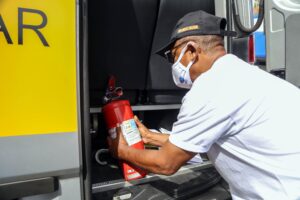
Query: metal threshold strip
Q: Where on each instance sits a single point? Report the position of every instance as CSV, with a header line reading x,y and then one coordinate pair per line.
x,y
117,184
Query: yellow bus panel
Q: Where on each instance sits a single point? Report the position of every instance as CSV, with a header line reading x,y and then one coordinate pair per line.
x,y
37,67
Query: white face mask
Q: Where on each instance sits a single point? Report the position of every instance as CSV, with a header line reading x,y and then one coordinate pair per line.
x,y
181,74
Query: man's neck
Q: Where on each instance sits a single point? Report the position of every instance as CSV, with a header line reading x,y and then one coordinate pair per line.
x,y
216,56
212,58
208,62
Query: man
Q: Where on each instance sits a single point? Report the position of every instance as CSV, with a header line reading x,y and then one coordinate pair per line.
x,y
244,118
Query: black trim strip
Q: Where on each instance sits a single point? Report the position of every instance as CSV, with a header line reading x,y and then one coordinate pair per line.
x,y
20,189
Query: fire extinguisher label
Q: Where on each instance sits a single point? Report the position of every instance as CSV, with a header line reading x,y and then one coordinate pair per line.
x,y
131,132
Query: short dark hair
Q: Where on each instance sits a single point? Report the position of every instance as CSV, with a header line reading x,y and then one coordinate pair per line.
x,y
207,43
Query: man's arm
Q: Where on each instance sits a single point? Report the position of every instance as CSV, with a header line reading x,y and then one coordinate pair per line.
x,y
165,161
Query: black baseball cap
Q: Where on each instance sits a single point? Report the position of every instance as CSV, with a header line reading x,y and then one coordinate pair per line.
x,y
196,23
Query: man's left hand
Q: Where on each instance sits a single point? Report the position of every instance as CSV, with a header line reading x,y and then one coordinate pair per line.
x,y
117,145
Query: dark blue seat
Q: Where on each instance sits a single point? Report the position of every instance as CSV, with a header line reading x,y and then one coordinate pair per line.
x,y
160,86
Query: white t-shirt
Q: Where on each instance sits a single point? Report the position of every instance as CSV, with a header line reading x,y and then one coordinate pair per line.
x,y
248,121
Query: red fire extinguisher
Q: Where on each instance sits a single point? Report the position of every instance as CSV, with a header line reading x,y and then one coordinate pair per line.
x,y
120,112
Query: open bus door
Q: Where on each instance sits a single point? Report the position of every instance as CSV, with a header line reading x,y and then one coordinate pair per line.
x,y
282,30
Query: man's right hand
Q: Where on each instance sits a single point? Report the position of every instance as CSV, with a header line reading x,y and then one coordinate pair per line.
x,y
145,132
149,137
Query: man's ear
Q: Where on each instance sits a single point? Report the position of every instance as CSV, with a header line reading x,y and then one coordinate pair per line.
x,y
191,46
193,50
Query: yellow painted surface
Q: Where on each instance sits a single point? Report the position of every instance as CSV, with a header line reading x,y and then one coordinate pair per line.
x,y
38,83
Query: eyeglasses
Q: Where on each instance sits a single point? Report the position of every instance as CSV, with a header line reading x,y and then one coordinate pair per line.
x,y
170,54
